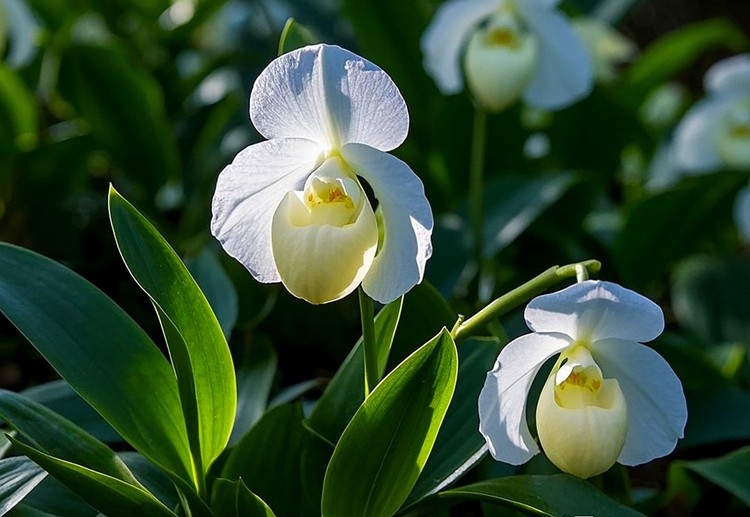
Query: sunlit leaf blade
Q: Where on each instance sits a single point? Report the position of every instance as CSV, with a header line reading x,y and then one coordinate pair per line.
x,y
216,285
234,499
560,494
100,351
18,477
197,345
268,460
254,382
459,445
109,495
383,449
294,36
730,472
59,437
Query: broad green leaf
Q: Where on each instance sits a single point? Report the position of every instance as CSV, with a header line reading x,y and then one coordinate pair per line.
x,y
345,392
60,398
560,494
383,449
216,285
234,499
18,477
54,498
680,49
54,435
254,382
459,445
100,351
23,510
718,417
197,346
268,460
294,36
111,496
152,479
730,472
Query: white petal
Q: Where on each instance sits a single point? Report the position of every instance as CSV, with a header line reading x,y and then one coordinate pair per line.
x,y
731,74
247,194
657,411
329,95
443,41
742,213
564,72
407,222
695,139
594,310
502,402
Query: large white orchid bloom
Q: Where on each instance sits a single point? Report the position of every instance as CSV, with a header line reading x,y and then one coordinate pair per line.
x,y
608,398
292,208
509,49
715,133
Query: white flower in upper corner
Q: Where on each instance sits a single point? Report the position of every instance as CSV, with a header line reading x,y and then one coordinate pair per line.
x,y
608,398
508,49
607,48
715,133
292,208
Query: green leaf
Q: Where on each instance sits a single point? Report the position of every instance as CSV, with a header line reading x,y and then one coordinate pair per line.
x,y
254,383
729,472
152,479
18,477
197,346
679,50
218,288
54,435
560,494
294,36
383,449
717,417
233,498
459,445
18,111
109,495
268,460
54,498
100,351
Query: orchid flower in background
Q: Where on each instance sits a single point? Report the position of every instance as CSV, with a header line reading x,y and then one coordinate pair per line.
x,y
607,48
508,49
715,133
293,208
608,398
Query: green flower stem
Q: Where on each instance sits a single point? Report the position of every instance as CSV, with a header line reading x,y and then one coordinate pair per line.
x,y
476,180
367,315
521,295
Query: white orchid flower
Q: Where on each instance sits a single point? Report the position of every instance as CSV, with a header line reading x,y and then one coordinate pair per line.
x,y
607,48
715,133
293,208
509,49
608,398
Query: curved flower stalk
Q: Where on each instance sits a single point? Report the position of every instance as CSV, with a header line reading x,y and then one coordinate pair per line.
x,y
715,133
293,208
607,48
508,49
608,398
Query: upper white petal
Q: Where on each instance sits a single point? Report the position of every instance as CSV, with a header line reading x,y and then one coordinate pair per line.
x,y
330,95
594,310
564,72
502,401
407,222
742,213
657,411
247,194
443,41
695,144
731,74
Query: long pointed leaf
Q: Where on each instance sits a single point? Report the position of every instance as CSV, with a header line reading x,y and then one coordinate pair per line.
x,y
102,353
234,499
383,449
18,477
199,351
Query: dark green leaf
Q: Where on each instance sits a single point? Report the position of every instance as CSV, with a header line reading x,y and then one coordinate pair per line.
x,y
254,382
100,351
197,346
295,36
216,285
154,480
385,446
18,477
17,111
234,499
717,417
730,472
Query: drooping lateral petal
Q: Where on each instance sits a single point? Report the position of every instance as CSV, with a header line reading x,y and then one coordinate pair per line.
x,y
247,194
742,213
695,144
594,310
407,222
657,411
502,401
329,95
443,41
731,74
564,72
